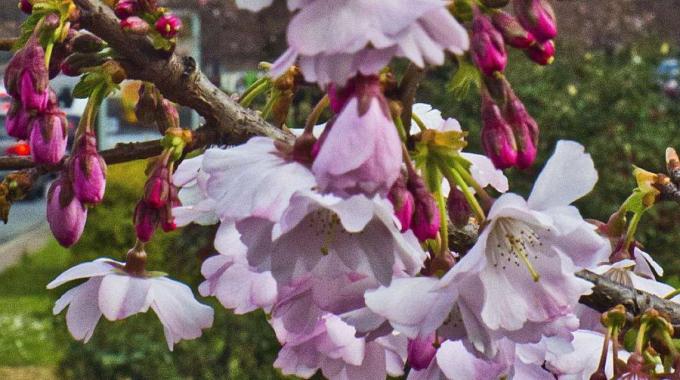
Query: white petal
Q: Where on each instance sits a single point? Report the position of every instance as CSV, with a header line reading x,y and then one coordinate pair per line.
x,y
121,296
567,176
83,313
99,267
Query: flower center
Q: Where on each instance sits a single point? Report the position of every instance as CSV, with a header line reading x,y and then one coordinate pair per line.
x,y
513,241
326,226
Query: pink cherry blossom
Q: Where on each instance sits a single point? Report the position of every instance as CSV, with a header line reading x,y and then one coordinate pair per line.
x,y
112,292
364,122
334,40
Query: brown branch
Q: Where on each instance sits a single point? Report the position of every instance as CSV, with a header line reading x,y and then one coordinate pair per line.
x,y
7,43
176,77
607,294
123,152
407,91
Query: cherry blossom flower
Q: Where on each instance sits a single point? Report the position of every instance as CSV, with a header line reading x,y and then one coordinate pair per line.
x,y
365,35
112,292
364,122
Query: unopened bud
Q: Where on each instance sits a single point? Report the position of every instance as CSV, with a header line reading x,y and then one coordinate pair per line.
x,y
85,42
498,140
487,47
26,6
48,138
513,32
614,317
88,170
126,8
426,218
18,121
542,53
75,63
421,351
114,70
146,220
525,130
51,21
538,17
65,214
458,208
134,25
157,188
403,202
167,116
149,100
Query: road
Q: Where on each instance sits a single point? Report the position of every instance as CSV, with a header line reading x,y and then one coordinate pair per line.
x,y
26,231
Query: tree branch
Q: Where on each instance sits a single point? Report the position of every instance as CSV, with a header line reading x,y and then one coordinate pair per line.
x,y
178,78
123,152
607,294
407,91
7,43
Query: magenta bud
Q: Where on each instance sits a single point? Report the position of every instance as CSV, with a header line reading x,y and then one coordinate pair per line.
x,y
32,98
543,54
168,25
339,96
134,25
421,351
458,208
48,138
88,170
146,220
426,219
26,6
498,140
65,214
51,21
403,202
488,48
525,130
168,223
18,121
30,60
537,17
512,31
126,8
157,188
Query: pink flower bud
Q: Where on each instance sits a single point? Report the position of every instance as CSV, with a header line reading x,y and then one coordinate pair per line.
x,y
487,47
146,220
157,188
458,208
168,223
32,98
403,202
543,54
126,8
538,17
48,137
31,60
339,96
525,130
65,214
498,140
18,121
88,170
168,25
513,33
26,6
134,25
421,351
426,219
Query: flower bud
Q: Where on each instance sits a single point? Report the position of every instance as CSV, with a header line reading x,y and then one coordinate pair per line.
x,y
146,220
32,98
157,188
513,33
339,96
51,22
88,170
421,351
134,25
48,138
403,202
498,140
18,121
525,130
26,6
149,99
30,60
426,219
85,42
543,54
126,8
458,208
75,63
168,25
168,223
167,116
487,47
61,51
65,214
537,17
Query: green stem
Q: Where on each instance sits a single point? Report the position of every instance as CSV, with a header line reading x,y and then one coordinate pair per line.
x,y
455,179
400,128
267,110
443,222
48,53
253,91
672,294
467,177
632,227
314,116
640,339
419,122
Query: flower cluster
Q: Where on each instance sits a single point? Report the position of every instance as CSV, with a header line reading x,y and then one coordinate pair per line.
x,y
136,15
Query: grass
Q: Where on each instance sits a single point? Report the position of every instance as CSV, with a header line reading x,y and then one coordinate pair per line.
x,y
26,321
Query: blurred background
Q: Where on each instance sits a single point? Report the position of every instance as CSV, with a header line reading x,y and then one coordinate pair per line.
x,y
613,87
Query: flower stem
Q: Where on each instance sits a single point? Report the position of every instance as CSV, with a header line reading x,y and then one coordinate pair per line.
x,y
632,227
253,91
467,177
314,116
400,128
48,53
419,122
455,179
640,339
443,222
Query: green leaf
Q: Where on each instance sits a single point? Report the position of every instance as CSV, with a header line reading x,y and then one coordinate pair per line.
x,y
466,76
87,84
